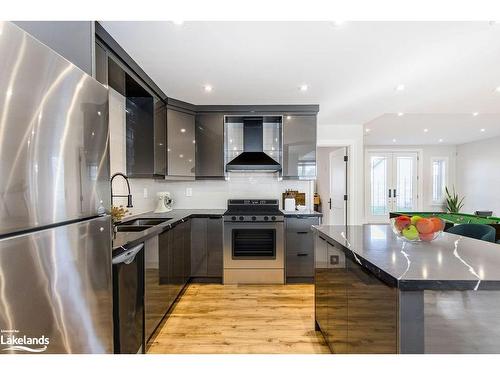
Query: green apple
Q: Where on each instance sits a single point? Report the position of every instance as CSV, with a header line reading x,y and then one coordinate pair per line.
x,y
415,218
411,233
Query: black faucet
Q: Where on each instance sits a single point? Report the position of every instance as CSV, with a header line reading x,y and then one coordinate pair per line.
x,y
129,196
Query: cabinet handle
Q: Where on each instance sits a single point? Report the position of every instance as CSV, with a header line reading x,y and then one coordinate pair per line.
x,y
302,232
302,254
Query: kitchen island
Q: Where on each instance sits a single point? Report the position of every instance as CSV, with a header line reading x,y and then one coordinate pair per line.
x,y
375,293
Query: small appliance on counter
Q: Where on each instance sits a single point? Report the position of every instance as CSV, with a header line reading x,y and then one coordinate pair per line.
x,y
164,202
292,199
289,204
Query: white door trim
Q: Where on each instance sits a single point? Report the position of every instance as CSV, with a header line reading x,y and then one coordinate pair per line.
x,y
355,183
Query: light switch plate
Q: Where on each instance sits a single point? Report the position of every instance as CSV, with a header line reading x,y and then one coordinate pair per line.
x,y
145,192
189,192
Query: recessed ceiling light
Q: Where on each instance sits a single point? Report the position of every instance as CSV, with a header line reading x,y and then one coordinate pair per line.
x,y
475,114
181,156
498,89
440,140
288,117
483,130
338,23
426,130
393,140
208,88
400,87
303,87
400,114
183,130
367,130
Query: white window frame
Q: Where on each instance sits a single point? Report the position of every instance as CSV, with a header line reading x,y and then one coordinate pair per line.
x,y
446,160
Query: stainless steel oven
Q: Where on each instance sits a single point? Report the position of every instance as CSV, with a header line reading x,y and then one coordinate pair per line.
x,y
254,243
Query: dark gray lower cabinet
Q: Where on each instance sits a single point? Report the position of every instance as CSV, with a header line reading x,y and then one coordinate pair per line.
x,y
167,270
300,247
356,312
206,247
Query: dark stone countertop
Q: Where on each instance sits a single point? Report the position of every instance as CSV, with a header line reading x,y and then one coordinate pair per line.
x,y
302,213
127,239
450,262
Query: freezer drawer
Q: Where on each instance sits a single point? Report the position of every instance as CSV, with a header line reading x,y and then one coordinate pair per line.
x,y
57,284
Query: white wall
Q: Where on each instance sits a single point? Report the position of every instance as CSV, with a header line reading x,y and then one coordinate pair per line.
x,y
427,153
478,175
352,137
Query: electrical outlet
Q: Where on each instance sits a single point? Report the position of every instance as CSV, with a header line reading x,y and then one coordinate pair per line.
x,y
145,192
189,192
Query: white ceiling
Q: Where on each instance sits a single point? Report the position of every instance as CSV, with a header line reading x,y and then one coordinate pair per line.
x,y
452,129
351,69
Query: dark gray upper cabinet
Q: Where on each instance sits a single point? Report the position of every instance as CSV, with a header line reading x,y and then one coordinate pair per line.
x,y
210,146
180,145
101,64
160,139
299,146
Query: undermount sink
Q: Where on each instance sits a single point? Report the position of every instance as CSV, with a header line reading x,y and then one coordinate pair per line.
x,y
132,228
150,222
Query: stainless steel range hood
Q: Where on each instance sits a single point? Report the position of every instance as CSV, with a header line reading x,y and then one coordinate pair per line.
x,y
253,157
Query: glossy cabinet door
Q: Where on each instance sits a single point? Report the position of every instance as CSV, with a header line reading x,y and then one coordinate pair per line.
x,y
210,146
206,247
299,146
140,136
300,246
186,247
321,284
158,290
180,145
160,139
198,247
101,64
177,274
372,322
336,326
214,247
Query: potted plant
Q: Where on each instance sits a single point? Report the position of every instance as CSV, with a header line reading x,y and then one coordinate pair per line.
x,y
453,201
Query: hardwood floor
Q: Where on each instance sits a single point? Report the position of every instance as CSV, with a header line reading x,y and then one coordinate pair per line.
x,y
264,319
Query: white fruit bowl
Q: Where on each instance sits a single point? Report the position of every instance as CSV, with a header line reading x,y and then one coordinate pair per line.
x,y
415,232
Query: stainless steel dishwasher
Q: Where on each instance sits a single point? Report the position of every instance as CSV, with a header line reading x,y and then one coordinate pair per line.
x,y
128,300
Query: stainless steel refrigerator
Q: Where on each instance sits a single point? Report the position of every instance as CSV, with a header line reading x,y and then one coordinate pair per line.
x,y
55,241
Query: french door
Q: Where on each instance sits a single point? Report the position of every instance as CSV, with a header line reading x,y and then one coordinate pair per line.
x,y
392,181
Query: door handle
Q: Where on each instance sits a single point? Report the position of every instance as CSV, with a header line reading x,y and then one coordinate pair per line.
x,y
302,254
389,193
394,192
330,203
302,232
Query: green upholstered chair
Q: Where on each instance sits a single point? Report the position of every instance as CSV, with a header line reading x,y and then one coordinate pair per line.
x,y
478,231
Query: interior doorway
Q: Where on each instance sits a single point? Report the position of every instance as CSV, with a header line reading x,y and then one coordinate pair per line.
x,y
332,184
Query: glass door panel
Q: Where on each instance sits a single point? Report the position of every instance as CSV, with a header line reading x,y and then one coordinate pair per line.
x,y
391,184
405,182
379,170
